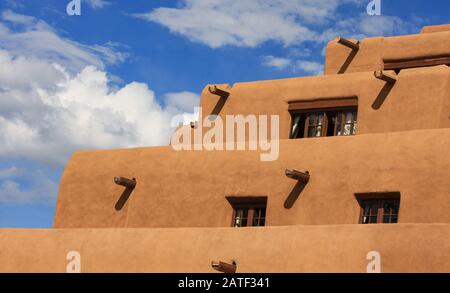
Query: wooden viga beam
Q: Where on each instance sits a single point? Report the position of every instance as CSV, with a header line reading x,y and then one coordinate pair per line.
x,y
389,77
224,267
297,175
128,183
354,45
219,91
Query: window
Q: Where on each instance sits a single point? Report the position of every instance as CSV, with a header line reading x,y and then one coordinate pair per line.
x,y
314,124
315,119
379,208
248,211
345,123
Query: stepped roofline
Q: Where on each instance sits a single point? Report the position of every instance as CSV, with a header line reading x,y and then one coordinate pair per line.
x,y
430,47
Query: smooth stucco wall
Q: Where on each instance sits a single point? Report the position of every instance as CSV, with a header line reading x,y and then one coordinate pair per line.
x,y
414,102
403,248
375,51
188,188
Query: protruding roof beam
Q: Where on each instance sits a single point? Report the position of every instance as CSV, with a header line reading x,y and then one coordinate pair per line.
x,y
224,267
354,45
128,183
219,91
297,175
389,77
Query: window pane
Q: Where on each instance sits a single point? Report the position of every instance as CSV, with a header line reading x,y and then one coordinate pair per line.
x,y
338,124
240,219
373,219
311,131
318,131
370,213
312,119
349,118
396,208
295,126
355,122
394,219
258,216
367,210
347,129
365,220
237,218
320,119
387,208
237,221
248,211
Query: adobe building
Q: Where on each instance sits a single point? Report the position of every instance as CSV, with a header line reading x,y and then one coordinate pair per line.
x,y
363,167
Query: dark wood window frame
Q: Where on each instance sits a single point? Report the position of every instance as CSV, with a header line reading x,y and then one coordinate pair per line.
x,y
251,210
322,110
373,207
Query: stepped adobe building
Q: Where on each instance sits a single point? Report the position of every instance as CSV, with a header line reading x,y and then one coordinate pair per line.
x,y
362,174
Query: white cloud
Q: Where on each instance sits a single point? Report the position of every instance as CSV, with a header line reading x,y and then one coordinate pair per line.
x,y
34,37
61,112
97,4
218,23
276,62
40,189
279,63
363,26
313,68
181,101
386,25
10,16
56,97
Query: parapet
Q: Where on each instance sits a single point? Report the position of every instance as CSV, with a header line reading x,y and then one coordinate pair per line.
x,y
435,28
429,48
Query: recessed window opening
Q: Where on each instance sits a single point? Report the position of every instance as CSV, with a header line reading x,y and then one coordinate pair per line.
x,y
329,118
379,208
248,211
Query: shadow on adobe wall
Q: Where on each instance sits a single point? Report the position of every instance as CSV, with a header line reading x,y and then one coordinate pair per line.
x,y
347,62
218,107
382,96
294,194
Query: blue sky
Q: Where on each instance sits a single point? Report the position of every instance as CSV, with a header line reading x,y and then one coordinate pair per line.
x,y
100,80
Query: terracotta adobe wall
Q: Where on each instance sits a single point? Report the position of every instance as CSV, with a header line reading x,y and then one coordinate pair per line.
x,y
374,52
381,108
435,28
403,248
188,188
402,146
